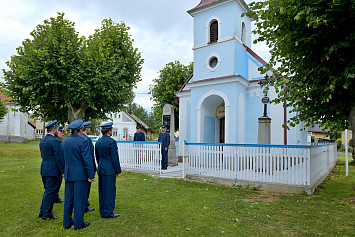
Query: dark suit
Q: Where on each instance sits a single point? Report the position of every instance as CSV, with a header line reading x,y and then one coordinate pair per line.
x,y
164,138
51,171
108,167
139,136
78,168
93,162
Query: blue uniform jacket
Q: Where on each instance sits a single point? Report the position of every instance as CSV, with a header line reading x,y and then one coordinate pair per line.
x,y
52,162
92,150
164,138
139,136
107,156
78,160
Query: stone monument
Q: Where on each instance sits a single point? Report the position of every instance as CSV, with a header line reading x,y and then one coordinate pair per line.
x,y
169,122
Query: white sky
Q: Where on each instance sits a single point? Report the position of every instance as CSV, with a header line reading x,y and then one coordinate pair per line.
x,y
162,29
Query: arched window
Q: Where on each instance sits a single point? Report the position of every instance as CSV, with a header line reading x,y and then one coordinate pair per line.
x,y
244,33
214,31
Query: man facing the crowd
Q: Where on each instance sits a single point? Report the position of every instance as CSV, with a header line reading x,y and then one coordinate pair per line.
x,y
139,135
86,131
164,138
78,171
51,170
108,170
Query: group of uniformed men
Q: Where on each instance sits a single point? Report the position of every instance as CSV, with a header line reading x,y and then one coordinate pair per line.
x,y
74,159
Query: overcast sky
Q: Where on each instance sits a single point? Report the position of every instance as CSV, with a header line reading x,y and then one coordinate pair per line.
x,y
162,29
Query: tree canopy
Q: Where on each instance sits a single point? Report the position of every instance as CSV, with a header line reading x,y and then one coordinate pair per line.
x,y
171,78
312,41
58,75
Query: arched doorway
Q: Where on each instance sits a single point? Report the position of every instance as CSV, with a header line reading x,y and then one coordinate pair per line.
x,y
213,119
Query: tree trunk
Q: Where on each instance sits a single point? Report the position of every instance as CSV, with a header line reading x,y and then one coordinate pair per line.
x,y
76,113
351,121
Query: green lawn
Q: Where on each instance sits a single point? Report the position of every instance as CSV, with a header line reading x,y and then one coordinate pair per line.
x,y
151,206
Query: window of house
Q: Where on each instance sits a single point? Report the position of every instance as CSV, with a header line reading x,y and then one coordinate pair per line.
x,y
214,31
213,62
114,132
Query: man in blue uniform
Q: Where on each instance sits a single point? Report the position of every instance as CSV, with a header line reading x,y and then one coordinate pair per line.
x,y
86,131
164,138
139,135
59,135
78,171
109,169
51,170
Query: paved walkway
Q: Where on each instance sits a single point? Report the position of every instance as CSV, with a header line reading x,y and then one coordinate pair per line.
x,y
172,171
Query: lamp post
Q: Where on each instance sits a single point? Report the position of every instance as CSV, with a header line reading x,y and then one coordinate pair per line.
x,y
264,130
265,100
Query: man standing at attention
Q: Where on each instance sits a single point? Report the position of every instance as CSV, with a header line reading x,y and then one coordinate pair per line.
x,y
59,135
109,169
78,171
164,138
86,131
139,135
51,170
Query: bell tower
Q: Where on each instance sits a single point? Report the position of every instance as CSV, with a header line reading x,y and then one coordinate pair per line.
x,y
221,36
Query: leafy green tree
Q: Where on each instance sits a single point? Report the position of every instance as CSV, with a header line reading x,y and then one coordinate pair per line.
x,y
3,110
171,78
59,75
313,44
138,111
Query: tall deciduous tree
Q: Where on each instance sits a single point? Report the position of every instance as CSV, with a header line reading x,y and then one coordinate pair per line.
x,y
171,78
314,43
59,75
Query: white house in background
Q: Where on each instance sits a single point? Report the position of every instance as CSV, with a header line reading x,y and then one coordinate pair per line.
x,y
221,101
124,126
16,126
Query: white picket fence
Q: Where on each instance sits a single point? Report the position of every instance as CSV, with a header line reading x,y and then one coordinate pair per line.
x,y
139,155
281,164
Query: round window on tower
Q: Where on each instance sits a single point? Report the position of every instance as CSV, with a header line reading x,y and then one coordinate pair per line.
x,y
213,62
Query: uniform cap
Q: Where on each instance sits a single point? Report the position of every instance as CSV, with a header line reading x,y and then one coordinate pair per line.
x,y
51,124
106,125
76,125
87,124
60,128
139,126
163,126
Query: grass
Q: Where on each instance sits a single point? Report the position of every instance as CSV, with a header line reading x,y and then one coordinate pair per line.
x,y
151,206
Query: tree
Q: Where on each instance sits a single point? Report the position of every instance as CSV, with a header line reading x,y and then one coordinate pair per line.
x,y
59,75
171,78
3,110
313,42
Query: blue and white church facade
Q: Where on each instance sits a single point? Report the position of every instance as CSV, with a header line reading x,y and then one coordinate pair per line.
x,y
221,101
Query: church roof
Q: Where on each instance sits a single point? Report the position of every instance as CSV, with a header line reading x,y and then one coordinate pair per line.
x,y
204,3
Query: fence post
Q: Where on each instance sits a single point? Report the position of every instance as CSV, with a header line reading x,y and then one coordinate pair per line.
x,y
183,159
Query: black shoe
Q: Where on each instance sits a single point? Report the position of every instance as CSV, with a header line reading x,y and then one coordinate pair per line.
x,y
68,227
59,201
50,218
90,209
164,168
112,216
86,224
40,215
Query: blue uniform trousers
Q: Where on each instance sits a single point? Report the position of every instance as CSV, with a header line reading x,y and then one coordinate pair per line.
x,y
87,205
164,161
51,188
60,183
75,198
107,194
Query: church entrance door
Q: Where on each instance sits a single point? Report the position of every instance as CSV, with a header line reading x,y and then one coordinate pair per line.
x,y
221,129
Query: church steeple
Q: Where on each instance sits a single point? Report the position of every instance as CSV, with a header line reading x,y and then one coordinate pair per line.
x,y
204,3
